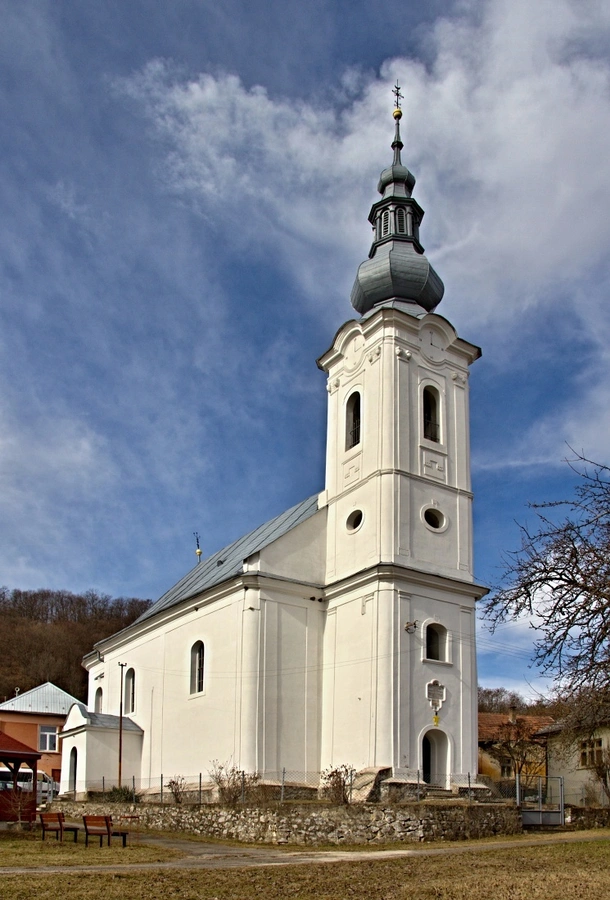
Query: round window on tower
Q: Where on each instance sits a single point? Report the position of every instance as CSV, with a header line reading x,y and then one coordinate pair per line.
x,y
354,520
434,518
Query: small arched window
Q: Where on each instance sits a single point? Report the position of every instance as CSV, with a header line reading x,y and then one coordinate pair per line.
x,y
401,221
352,424
130,691
73,767
431,406
98,700
436,642
385,223
197,667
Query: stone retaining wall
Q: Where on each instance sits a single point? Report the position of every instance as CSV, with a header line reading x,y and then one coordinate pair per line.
x,y
581,818
314,825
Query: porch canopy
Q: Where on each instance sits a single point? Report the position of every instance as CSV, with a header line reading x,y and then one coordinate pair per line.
x,y
14,754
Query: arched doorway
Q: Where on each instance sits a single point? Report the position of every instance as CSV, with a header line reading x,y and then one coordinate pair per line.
x,y
72,775
435,758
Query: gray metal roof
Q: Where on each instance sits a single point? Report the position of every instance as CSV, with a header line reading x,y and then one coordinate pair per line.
x,y
228,562
47,698
103,720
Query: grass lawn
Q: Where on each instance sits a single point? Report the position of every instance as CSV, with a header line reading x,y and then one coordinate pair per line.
x,y
28,849
522,873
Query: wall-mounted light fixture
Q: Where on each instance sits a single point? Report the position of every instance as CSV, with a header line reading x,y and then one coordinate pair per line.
x,y
410,627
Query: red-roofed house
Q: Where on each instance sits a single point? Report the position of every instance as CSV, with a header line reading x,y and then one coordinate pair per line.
x,y
509,744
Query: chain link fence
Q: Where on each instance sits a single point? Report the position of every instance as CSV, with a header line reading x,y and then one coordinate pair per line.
x,y
339,785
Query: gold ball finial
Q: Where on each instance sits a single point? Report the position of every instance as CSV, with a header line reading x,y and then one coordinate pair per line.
x,y
397,113
198,551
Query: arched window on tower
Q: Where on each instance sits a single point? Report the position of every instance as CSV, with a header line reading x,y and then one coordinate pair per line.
x,y
98,700
436,642
385,223
197,667
352,425
401,221
130,691
431,410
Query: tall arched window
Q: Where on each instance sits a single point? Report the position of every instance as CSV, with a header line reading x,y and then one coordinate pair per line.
x,y
436,642
401,221
197,667
130,691
431,404
352,423
385,222
98,700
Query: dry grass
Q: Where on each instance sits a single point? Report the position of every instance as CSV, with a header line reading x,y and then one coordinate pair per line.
x,y
521,873
29,850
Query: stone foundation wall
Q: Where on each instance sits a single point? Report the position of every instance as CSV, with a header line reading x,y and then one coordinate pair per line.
x,y
593,817
313,825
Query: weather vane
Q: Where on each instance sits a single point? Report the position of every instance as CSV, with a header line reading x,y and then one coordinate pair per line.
x,y
397,94
198,550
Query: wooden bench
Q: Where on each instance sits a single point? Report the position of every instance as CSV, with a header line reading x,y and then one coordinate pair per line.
x,y
55,822
102,827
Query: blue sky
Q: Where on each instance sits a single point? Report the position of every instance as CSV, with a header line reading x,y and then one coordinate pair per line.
x,y
184,190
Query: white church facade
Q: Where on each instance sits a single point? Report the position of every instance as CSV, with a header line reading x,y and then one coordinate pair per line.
x,y
343,631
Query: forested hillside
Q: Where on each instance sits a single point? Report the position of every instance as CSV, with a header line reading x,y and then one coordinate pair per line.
x,y
44,635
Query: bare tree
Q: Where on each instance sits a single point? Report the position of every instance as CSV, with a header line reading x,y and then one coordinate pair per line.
x,y
499,700
516,742
560,580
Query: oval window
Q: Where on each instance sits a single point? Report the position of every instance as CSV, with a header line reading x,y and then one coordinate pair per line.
x,y
354,520
434,518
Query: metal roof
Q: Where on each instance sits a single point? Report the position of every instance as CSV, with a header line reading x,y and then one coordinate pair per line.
x,y
104,720
45,699
229,562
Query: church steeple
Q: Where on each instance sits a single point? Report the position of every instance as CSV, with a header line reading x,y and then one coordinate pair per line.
x,y
397,268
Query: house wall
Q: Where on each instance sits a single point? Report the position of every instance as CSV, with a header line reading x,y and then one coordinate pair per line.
x,y
581,787
25,727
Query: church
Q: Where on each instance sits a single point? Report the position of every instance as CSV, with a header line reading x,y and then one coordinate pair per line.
x,y
343,630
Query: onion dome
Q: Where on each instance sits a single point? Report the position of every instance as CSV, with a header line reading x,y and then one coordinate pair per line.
x,y
397,268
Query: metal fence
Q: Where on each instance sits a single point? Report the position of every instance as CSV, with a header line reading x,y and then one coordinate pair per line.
x,y
341,785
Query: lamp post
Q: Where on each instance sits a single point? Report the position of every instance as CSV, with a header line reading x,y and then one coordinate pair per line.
x,y
121,666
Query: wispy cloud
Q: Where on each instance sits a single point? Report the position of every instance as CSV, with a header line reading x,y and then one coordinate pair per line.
x,y
177,250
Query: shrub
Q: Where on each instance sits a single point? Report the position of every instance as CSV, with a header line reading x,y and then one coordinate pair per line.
x,y
234,785
337,782
177,786
123,795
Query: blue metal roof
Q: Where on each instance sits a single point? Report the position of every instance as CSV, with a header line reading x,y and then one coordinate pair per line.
x,y
46,698
228,562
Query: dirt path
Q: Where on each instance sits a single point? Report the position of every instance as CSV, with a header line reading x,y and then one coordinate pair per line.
x,y
202,855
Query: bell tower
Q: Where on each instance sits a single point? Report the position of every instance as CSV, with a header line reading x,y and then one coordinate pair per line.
x,y
398,456
399,508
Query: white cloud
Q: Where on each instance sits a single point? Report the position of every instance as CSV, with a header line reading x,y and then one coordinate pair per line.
x,y
508,132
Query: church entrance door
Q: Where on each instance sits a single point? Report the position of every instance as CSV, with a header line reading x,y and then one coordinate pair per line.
x,y
435,758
